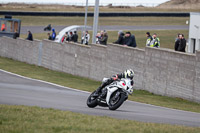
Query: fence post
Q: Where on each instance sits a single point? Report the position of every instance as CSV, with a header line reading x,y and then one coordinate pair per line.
x,y
95,22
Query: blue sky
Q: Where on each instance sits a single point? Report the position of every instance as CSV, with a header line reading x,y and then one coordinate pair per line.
x,y
115,2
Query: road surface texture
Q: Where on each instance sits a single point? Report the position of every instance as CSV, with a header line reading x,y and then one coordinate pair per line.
x,y
40,29
16,90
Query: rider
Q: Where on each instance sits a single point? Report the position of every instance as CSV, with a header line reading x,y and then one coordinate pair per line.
x,y
126,74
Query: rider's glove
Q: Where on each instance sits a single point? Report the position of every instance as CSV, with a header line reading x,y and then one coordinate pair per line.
x,y
115,77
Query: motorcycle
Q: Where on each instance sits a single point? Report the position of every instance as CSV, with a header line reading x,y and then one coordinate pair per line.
x,y
113,95
48,28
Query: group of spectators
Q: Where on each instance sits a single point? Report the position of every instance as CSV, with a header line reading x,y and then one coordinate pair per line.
x,y
70,37
180,43
102,37
126,39
152,41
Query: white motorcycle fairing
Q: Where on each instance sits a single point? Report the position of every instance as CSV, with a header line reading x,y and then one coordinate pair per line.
x,y
110,91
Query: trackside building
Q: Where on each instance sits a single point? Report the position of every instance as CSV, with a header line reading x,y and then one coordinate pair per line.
x,y
194,32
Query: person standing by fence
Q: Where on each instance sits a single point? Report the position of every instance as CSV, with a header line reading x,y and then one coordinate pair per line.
x,y
155,42
30,36
129,40
182,43
177,42
75,37
120,39
53,34
149,39
104,38
85,38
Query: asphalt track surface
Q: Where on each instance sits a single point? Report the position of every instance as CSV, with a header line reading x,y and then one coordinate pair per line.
x,y
39,29
16,90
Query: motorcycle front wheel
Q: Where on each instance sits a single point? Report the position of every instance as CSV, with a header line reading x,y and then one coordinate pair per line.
x,y
92,101
116,102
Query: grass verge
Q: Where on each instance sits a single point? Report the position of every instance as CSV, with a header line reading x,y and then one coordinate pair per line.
x,y
90,85
167,37
141,21
21,119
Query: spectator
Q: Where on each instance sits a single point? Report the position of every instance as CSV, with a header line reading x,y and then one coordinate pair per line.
x,y
149,39
75,37
155,42
30,36
71,37
85,38
82,38
49,36
101,33
16,35
66,37
98,37
129,40
48,28
104,38
177,42
53,34
3,27
120,38
182,43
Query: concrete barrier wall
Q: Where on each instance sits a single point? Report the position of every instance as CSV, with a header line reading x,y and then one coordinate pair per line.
x,y
20,49
196,92
160,71
170,73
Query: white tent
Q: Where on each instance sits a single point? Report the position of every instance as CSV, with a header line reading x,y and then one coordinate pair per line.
x,y
69,29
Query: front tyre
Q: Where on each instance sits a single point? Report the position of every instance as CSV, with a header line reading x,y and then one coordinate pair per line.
x,y
116,102
92,101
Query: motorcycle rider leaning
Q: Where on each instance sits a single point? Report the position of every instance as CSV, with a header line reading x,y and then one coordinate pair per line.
x,y
126,74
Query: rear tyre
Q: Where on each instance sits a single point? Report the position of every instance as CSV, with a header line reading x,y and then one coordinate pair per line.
x,y
115,103
92,101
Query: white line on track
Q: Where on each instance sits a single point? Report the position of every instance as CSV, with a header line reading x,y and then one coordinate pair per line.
x,y
43,81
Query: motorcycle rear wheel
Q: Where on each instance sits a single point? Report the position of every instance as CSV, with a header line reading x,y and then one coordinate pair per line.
x,y
92,101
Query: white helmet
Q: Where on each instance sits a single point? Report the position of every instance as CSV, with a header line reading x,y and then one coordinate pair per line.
x,y
129,73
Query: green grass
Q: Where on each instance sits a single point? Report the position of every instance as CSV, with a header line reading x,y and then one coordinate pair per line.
x,y
167,37
141,21
90,85
54,8
21,119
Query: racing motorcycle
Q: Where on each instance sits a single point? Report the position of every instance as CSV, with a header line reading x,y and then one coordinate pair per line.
x,y
113,95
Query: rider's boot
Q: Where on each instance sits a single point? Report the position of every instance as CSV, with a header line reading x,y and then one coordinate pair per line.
x,y
109,81
98,91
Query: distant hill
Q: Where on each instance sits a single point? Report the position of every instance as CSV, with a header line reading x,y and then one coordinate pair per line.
x,y
185,4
